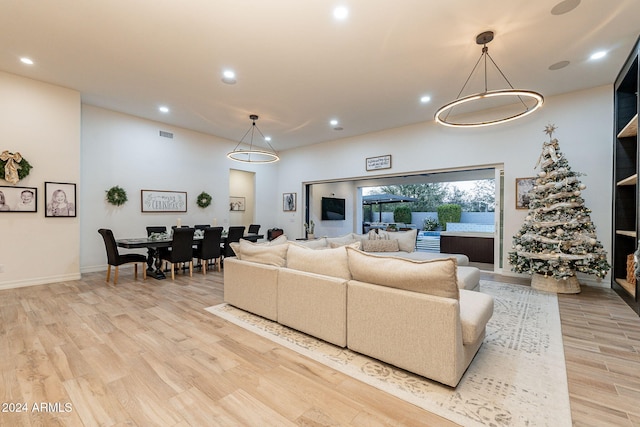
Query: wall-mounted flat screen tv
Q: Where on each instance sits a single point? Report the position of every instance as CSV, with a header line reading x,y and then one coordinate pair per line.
x,y
332,209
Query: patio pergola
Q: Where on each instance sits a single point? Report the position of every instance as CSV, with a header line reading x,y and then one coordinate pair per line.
x,y
380,199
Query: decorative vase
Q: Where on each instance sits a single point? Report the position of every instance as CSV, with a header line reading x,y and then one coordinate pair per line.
x,y
311,236
559,286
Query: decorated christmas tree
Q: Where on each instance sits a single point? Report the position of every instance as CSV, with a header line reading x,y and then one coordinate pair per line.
x,y
558,237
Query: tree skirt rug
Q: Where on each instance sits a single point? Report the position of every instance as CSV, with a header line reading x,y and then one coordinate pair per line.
x,y
518,377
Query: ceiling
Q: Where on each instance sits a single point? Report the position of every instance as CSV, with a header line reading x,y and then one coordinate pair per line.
x,y
297,66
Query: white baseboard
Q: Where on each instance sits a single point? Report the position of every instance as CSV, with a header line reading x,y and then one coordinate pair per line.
x,y
39,281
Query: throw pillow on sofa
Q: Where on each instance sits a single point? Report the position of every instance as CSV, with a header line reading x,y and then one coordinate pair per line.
x,y
380,245
280,240
320,243
406,239
435,277
262,254
334,242
329,262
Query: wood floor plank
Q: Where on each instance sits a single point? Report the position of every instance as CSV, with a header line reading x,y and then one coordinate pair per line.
x,y
147,353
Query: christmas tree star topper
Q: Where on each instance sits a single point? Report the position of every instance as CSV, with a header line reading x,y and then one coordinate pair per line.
x,y
549,129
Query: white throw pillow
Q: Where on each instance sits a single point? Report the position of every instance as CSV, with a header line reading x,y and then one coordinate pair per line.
x,y
320,243
334,242
406,239
280,240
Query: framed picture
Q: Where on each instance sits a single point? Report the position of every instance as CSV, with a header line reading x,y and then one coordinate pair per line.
x,y
163,201
523,187
236,203
289,202
60,199
18,199
380,162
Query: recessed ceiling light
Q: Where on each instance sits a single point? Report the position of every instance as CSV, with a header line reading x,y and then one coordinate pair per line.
x,y
340,12
333,122
425,99
558,65
26,60
267,138
229,77
598,55
564,7
163,109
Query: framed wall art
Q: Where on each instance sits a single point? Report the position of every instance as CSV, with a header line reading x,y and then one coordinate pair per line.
x,y
289,202
60,199
163,201
236,204
523,187
379,162
18,199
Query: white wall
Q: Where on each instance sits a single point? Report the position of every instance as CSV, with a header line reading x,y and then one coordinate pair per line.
x,y
47,123
41,122
584,120
118,149
340,190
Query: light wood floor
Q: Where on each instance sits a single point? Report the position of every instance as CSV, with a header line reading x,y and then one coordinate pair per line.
x,y
146,353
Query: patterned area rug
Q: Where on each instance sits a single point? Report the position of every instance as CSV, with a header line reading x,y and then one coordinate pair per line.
x,y
518,377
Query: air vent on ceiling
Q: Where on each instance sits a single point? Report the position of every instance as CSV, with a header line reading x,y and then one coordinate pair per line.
x,y
166,134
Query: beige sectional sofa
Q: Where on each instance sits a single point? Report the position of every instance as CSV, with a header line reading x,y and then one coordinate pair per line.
x,y
411,314
399,244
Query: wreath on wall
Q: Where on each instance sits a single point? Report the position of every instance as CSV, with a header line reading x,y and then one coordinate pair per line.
x,y
13,167
116,196
203,200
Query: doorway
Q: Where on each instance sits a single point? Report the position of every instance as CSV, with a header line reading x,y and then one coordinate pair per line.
x,y
242,196
352,191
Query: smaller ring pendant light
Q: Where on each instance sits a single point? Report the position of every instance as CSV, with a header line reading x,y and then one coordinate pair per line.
x,y
442,115
251,154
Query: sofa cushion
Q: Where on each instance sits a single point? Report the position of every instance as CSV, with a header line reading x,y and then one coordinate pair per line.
x,y
468,278
320,243
262,253
380,246
330,262
353,243
334,242
435,277
360,237
476,309
280,240
406,240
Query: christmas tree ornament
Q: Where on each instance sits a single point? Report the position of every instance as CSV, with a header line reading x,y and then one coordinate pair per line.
x,y
558,237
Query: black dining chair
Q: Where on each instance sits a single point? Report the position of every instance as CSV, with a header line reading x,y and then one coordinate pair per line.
x,y
201,226
156,229
234,235
181,250
116,259
209,248
254,229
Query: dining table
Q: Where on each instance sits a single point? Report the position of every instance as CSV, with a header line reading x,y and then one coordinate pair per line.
x,y
154,243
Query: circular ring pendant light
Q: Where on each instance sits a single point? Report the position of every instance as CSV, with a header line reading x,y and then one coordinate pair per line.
x,y
520,96
251,154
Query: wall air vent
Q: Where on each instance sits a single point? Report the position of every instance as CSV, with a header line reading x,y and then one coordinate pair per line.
x,y
166,134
